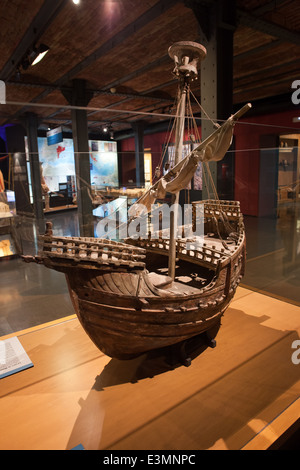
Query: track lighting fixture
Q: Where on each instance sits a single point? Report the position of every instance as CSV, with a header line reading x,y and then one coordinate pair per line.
x,y
40,53
34,56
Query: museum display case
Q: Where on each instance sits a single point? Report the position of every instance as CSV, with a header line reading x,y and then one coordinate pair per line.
x,y
10,239
263,315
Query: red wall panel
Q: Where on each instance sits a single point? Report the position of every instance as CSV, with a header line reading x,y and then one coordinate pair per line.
x,y
247,134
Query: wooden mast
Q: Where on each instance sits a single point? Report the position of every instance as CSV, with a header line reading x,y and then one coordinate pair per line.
x,y
179,133
186,56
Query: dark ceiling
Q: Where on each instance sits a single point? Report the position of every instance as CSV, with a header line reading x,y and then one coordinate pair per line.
x,y
120,48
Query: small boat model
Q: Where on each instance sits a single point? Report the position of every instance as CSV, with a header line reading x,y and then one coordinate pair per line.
x,y
146,293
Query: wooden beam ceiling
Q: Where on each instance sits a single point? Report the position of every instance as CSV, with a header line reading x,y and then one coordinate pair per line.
x,y
120,48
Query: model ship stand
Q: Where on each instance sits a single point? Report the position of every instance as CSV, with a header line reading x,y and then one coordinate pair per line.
x,y
159,293
182,353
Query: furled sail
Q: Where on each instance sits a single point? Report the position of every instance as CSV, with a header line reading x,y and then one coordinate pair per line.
x,y
181,179
213,148
218,146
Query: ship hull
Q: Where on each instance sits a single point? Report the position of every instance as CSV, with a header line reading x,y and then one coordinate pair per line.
x,y
125,303
124,323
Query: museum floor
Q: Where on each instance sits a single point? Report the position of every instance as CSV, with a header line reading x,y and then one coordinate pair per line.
x,y
243,394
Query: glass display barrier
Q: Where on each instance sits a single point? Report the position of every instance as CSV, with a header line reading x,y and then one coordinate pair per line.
x,y
113,286
269,199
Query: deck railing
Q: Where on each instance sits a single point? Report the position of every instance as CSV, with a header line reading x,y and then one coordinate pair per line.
x,y
213,207
93,250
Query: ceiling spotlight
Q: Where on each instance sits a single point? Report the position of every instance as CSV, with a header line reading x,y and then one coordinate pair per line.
x,y
108,129
76,2
33,56
39,53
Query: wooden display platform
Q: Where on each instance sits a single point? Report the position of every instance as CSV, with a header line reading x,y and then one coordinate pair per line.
x,y
243,394
60,208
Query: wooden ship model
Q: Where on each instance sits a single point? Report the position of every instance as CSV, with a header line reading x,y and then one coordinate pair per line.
x,y
140,295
